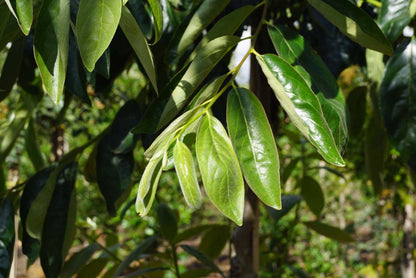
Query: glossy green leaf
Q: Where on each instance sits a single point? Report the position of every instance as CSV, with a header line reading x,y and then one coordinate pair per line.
x,y
288,202
203,16
11,68
397,95
293,48
54,241
201,257
185,169
329,231
96,25
156,8
301,104
201,66
78,260
357,104
7,236
22,10
214,240
312,193
167,222
354,23
254,144
32,147
139,44
208,91
51,44
394,15
219,168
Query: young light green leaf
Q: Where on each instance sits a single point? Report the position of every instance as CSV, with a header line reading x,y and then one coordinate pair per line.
x,y
254,143
301,104
394,15
22,10
205,14
354,23
375,65
219,168
139,44
96,25
7,236
312,194
51,45
293,48
185,169
157,18
329,231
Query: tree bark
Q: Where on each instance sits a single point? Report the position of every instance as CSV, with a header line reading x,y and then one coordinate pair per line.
x,y
408,262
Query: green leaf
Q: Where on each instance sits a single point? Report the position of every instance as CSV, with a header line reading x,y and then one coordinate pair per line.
x,y
22,10
54,241
32,147
201,257
354,23
102,66
288,202
397,95
214,240
301,104
96,25
357,103
203,16
293,48
312,194
51,43
93,268
208,91
9,30
219,168
11,68
78,260
375,65
156,8
139,44
135,254
254,144
201,66
329,231
4,18
191,232
167,222
394,15
7,236
185,169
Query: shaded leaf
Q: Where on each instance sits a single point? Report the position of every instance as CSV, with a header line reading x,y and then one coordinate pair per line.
x,y
214,240
22,10
312,193
394,15
329,231
78,260
357,103
201,257
7,236
167,222
93,268
288,202
208,91
32,147
11,68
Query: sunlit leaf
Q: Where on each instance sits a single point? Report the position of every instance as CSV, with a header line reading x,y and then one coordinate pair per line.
x,y
156,8
23,12
394,15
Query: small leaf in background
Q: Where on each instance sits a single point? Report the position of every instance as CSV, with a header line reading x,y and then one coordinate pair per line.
x,y
23,12
254,144
32,147
78,260
312,193
357,104
51,43
4,18
11,68
214,240
329,231
220,169
167,222
7,236
96,25
394,15
354,23
185,169
156,8
288,202
93,268
201,257
203,16
397,95
301,104
139,44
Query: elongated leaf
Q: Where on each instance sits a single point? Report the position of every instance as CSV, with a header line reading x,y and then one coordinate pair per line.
x,y
4,18
208,91
156,8
139,43
201,66
102,66
219,168
32,147
11,68
52,249
201,257
23,12
301,104
288,202
312,193
7,236
357,103
78,260
167,222
191,232
293,48
185,169
93,268
255,146
96,25
214,240
205,14
397,95
354,23
329,231
51,45
394,15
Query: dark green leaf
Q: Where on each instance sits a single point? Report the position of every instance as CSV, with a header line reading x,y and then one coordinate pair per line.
x,y
191,232
296,51
288,169
312,194
96,25
10,31
93,268
255,146
354,23
23,12
357,103
201,257
397,95
219,168
32,147
288,202
199,272
329,231
156,8
140,272
103,64
301,104
214,240
394,15
7,236
78,260
51,45
4,18
167,222
11,68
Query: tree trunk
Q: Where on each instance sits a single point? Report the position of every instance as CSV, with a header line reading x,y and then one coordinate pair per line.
x,y
408,262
